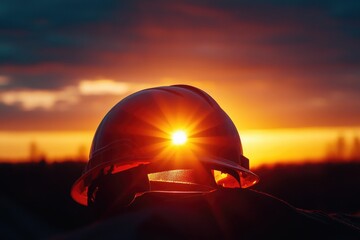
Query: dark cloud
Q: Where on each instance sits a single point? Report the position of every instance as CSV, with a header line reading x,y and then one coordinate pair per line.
x,y
42,31
38,81
299,32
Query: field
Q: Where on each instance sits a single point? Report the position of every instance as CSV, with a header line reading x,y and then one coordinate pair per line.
x,y
35,199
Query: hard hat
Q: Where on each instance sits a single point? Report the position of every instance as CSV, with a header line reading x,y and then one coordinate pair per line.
x,y
175,132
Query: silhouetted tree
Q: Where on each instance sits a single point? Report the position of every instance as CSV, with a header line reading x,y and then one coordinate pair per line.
x,y
340,148
337,150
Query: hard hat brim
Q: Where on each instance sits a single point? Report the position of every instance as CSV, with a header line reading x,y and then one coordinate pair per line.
x,y
79,190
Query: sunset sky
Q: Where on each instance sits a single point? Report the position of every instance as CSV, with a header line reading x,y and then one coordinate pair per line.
x,y
286,72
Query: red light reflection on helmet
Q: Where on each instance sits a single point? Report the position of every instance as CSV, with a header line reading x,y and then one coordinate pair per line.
x,y
139,130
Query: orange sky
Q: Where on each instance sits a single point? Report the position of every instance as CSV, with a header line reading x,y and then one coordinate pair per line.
x,y
265,146
287,73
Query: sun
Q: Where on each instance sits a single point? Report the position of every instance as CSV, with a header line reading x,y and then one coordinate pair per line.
x,y
179,137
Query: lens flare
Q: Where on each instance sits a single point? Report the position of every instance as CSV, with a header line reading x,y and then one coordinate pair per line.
x,y
179,137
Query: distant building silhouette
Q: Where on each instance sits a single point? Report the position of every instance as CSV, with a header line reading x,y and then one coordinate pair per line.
x,y
340,150
34,152
355,149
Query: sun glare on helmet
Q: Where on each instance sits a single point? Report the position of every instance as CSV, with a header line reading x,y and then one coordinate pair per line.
x,y
179,137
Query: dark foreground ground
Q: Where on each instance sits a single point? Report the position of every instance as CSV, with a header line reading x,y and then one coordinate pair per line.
x,y
35,201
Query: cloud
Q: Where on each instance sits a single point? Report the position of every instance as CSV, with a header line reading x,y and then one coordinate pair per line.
x,y
31,99
34,99
100,87
108,87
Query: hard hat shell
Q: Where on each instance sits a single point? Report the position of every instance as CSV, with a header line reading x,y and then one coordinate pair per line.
x,y
137,131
